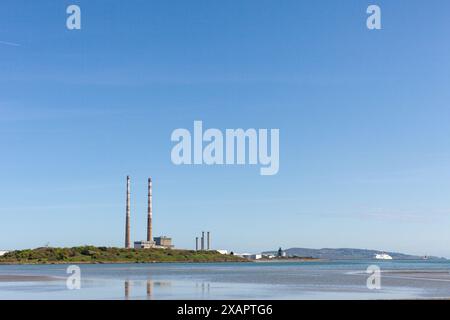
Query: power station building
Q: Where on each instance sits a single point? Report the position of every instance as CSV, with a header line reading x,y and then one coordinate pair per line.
x,y
158,242
144,244
161,242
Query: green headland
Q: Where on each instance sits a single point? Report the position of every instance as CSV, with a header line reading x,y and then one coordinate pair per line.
x,y
92,254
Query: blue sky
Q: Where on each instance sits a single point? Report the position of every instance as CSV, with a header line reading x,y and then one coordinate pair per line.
x,y
363,118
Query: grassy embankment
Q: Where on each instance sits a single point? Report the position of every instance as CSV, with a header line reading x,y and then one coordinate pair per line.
x,y
91,254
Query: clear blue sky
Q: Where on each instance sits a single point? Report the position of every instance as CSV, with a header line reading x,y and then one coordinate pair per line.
x,y
363,118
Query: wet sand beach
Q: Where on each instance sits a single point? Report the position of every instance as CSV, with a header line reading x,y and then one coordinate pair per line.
x,y
264,280
26,278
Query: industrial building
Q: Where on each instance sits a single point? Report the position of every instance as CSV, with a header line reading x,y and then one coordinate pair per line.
x,y
249,256
144,244
161,242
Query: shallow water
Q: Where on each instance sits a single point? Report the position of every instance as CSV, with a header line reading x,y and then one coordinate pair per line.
x,y
260,280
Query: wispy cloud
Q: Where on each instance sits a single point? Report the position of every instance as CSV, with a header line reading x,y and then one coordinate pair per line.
x,y
7,43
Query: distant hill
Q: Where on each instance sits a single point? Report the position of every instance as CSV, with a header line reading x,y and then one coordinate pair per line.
x,y
345,253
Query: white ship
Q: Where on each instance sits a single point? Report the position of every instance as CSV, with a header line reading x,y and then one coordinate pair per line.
x,y
383,256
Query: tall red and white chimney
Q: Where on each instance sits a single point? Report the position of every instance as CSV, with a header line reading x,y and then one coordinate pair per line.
x,y
127,219
149,211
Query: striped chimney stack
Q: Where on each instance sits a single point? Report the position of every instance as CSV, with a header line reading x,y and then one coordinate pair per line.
x,y
127,221
149,211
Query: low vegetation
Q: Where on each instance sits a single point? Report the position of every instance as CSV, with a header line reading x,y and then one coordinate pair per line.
x,y
91,254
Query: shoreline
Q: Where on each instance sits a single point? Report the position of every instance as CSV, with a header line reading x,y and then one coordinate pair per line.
x,y
291,260
156,262
110,262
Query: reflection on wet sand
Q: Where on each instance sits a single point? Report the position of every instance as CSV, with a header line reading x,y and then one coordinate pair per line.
x,y
149,289
149,285
127,289
432,275
204,286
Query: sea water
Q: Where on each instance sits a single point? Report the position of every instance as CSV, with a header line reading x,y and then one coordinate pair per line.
x,y
253,280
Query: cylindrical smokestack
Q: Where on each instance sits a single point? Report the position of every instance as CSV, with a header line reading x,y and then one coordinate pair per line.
x,y
196,243
203,240
127,221
149,211
207,241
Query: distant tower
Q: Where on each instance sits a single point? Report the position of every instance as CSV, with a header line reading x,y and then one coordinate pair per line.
x,y
127,221
149,211
196,243
207,241
203,240
280,252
